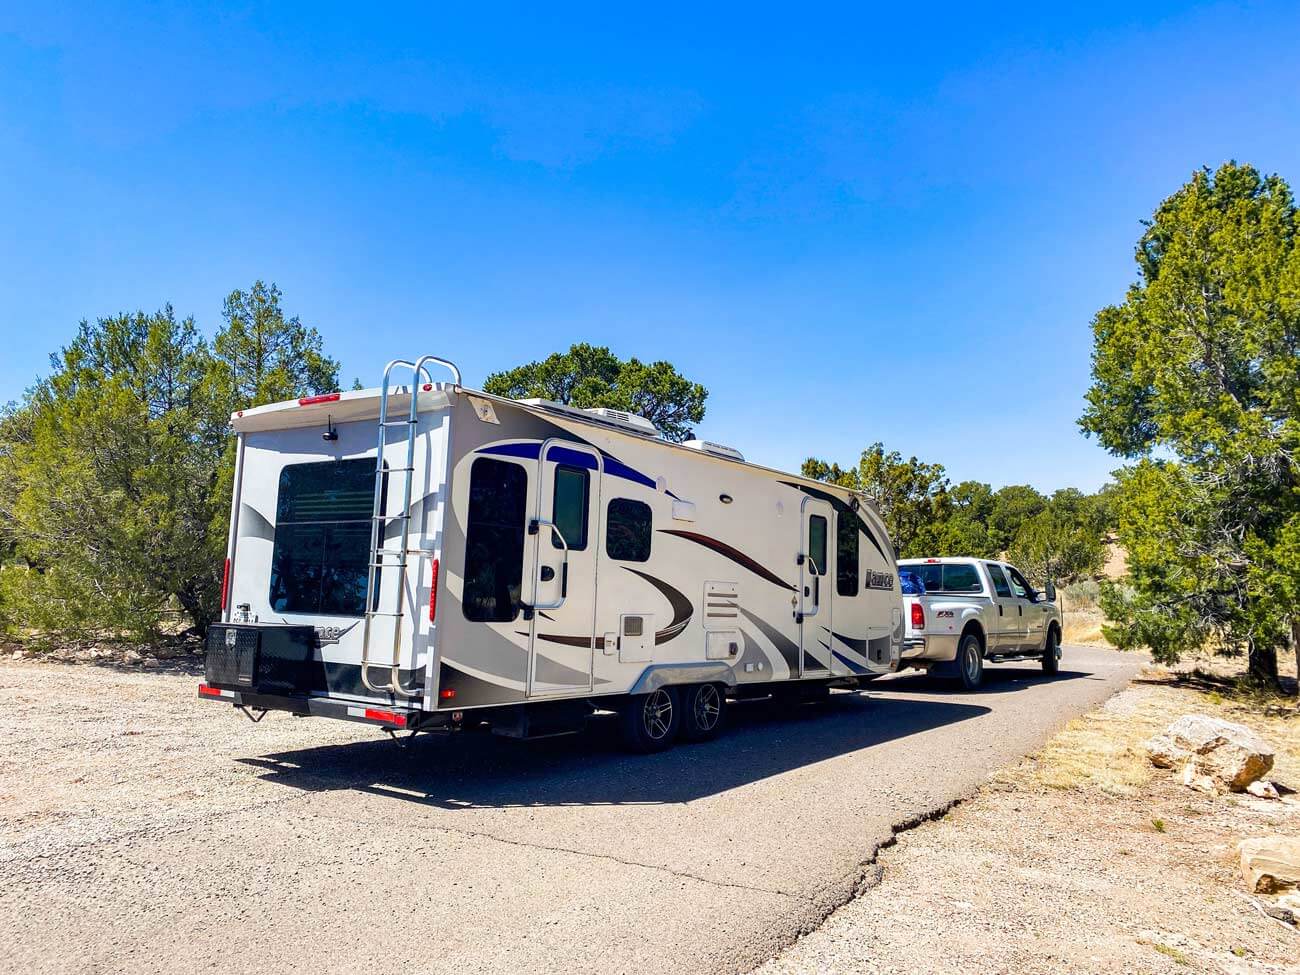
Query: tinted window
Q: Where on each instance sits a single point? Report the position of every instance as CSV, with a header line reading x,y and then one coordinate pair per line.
x,y
322,538
1022,588
569,508
817,543
494,541
846,555
999,580
627,533
958,578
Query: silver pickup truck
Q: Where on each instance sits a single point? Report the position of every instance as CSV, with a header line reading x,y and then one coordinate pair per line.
x,y
962,612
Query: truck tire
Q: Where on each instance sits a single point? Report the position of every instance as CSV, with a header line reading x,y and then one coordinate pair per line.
x,y
650,722
1052,653
970,662
704,709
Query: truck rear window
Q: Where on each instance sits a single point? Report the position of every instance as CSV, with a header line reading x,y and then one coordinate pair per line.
x,y
322,538
956,578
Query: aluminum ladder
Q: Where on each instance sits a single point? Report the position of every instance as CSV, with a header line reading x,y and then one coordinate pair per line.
x,y
379,522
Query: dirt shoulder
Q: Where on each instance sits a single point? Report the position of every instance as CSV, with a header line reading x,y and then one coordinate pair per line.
x,y
1080,858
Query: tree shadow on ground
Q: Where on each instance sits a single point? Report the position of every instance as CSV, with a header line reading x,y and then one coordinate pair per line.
x,y
476,770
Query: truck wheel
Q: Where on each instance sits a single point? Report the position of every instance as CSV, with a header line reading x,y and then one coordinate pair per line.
x,y
704,707
1052,654
650,721
970,662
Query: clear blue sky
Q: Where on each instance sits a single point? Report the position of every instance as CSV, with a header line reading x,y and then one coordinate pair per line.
x,y
851,224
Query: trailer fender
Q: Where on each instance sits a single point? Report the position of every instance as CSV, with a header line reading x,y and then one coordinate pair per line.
x,y
664,675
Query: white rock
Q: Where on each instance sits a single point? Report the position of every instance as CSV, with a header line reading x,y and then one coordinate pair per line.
x,y
1263,789
1271,864
1228,755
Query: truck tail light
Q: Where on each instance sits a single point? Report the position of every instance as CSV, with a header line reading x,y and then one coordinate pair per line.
x,y
433,594
225,585
918,616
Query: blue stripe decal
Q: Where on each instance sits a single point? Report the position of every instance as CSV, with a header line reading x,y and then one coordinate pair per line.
x,y
573,458
855,667
618,469
526,450
563,455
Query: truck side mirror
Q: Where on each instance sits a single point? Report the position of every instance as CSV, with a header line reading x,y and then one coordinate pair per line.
x,y
1050,592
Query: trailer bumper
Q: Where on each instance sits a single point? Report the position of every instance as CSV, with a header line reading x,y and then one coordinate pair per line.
x,y
385,716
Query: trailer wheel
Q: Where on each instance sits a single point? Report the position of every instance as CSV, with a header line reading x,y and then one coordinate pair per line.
x,y
970,662
1052,653
651,721
704,708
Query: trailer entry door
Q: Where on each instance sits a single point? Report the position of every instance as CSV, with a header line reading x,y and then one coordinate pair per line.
x,y
816,587
565,529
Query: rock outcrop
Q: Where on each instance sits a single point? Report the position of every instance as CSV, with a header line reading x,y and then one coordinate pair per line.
x,y
1214,754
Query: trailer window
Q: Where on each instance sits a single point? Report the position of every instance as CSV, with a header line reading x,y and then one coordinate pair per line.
x,y
817,542
322,538
569,507
846,555
627,530
960,577
494,541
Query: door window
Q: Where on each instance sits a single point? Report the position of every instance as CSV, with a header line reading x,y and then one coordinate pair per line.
x,y
494,541
846,555
627,530
1022,588
999,580
817,543
322,538
569,507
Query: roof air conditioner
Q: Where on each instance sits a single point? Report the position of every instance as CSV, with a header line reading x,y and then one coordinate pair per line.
x,y
717,449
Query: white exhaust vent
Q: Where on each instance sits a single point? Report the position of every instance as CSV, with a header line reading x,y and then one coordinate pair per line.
x,y
717,449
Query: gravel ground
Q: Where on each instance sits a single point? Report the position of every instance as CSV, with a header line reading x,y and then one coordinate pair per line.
x,y
143,830
1023,878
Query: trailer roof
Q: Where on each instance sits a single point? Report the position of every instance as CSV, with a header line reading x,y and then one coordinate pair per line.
x,y
363,404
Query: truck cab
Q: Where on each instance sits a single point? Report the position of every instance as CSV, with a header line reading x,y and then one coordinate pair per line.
x,y
960,612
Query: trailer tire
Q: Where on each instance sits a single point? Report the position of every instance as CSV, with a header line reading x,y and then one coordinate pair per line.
x,y
1052,653
704,710
970,662
650,722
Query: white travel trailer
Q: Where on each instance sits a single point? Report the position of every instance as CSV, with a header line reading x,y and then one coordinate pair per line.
x,y
430,557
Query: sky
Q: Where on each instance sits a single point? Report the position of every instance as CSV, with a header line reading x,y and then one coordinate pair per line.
x,y
850,223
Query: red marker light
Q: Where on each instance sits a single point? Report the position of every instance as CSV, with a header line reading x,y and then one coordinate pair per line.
x,y
323,398
388,717
427,386
447,693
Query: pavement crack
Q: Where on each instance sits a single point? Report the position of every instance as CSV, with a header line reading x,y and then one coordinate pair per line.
x,y
683,874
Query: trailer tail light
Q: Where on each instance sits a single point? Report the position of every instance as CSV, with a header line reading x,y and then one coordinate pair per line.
x,y
433,594
918,616
225,585
322,398
388,717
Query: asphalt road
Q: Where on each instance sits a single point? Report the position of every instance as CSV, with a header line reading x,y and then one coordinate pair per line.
x,y
142,830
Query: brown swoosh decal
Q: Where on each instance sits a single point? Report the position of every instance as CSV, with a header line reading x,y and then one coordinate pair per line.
x,y
735,555
681,607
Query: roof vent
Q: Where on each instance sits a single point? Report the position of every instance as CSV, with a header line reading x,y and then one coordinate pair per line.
x,y
622,418
717,449
600,414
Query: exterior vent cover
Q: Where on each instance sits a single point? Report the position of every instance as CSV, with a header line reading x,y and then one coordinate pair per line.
x,y
622,418
717,449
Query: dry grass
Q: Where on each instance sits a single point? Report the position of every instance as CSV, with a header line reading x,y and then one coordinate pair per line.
x,y
1104,750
